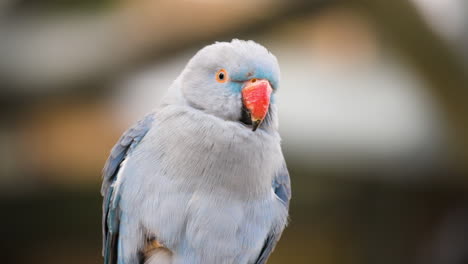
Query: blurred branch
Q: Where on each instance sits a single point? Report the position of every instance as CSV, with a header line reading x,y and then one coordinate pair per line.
x,y
400,23
50,55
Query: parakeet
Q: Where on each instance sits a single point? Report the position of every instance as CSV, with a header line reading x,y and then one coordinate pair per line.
x,y
202,178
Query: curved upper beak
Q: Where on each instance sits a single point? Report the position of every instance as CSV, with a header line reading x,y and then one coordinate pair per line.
x,y
256,98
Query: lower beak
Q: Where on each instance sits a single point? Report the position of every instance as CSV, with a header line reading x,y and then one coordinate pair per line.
x,y
256,98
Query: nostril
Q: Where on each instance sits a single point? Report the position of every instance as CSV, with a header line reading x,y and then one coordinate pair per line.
x,y
253,80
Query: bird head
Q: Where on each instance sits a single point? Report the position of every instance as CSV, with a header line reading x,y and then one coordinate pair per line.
x,y
235,81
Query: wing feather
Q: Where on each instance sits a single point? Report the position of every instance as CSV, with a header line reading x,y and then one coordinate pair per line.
x,y
282,187
110,206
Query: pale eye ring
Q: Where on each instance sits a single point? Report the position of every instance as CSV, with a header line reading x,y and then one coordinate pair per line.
x,y
221,76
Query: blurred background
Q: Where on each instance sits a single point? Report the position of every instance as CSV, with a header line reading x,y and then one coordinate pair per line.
x,y
373,114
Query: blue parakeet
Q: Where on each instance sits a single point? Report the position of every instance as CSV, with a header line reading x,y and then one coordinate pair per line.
x,y
202,178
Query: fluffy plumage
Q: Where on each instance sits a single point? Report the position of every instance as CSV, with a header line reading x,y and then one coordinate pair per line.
x,y
194,180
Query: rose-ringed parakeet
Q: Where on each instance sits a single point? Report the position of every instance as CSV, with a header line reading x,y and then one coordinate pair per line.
x,y
202,178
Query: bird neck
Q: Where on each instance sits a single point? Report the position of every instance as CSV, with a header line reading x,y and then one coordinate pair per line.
x,y
223,156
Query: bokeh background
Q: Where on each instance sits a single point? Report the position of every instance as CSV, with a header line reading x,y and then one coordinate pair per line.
x,y
373,114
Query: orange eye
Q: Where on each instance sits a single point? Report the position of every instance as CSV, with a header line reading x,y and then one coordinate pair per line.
x,y
221,76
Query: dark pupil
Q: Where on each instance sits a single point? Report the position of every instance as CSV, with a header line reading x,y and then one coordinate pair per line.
x,y
221,76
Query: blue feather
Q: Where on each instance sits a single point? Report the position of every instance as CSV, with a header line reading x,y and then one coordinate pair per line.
x,y
111,210
282,187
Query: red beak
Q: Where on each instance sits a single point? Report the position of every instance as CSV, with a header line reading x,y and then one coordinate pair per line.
x,y
256,98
